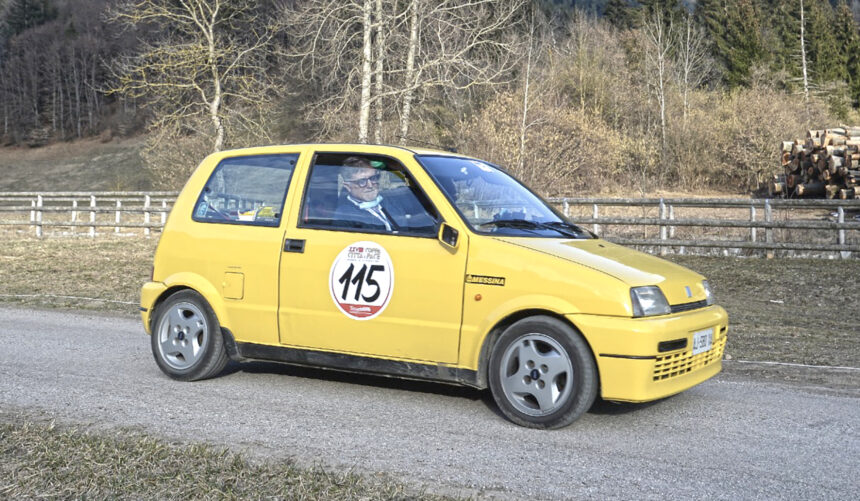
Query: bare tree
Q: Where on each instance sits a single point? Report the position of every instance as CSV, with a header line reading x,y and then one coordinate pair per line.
x,y
366,61
406,48
379,70
460,45
331,46
659,43
803,54
406,108
536,44
691,60
210,62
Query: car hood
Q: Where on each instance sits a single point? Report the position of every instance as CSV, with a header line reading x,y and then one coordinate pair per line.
x,y
679,285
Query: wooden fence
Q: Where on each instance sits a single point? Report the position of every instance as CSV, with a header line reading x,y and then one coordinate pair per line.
x,y
69,211
756,226
821,228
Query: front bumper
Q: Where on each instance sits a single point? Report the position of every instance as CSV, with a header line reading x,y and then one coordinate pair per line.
x,y
633,369
149,294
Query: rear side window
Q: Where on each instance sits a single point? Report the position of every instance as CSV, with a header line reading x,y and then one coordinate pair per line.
x,y
246,190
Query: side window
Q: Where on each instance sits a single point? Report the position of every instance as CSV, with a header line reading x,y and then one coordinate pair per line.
x,y
366,193
246,190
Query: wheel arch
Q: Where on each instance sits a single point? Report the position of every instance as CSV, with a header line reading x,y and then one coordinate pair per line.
x,y
190,281
164,296
496,331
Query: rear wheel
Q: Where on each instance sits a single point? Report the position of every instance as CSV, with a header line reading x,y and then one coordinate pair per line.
x,y
542,373
186,338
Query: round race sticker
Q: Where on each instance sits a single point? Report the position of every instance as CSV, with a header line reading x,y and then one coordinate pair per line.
x,y
361,280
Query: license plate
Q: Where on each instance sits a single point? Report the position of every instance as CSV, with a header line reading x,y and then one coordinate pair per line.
x,y
703,340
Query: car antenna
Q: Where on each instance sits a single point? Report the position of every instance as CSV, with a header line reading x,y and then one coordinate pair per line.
x,y
439,147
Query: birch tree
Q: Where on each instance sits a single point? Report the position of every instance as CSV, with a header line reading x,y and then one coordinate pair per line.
x,y
385,55
332,47
537,41
691,61
210,64
803,55
456,46
659,43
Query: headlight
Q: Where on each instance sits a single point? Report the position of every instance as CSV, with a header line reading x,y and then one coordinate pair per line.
x,y
649,301
709,296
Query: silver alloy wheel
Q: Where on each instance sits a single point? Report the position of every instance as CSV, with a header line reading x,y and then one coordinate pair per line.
x,y
182,334
536,374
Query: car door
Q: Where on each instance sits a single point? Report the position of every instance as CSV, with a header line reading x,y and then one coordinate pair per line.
x,y
370,291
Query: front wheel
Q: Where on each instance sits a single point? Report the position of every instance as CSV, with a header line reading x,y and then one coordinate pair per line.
x,y
186,338
542,373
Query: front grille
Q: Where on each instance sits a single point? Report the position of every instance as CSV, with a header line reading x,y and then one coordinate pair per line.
x,y
678,364
678,308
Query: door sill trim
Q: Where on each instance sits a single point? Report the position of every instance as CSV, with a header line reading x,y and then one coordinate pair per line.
x,y
355,363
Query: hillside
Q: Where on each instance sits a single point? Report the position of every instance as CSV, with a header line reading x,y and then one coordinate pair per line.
x,y
86,165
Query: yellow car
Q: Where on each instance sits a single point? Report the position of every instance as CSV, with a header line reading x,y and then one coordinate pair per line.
x,y
419,264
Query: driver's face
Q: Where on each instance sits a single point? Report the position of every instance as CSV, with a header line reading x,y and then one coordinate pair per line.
x,y
363,184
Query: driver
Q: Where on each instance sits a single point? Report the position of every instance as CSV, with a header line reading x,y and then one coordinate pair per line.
x,y
362,206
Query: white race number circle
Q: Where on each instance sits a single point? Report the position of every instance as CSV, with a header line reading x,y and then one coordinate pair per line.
x,y
361,280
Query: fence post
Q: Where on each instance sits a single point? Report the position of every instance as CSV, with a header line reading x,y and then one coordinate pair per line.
x,y
163,213
118,212
841,219
752,220
39,204
92,216
595,213
671,218
33,213
74,214
768,232
662,207
566,205
147,202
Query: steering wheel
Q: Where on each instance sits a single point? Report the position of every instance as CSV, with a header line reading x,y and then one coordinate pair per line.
x,y
216,210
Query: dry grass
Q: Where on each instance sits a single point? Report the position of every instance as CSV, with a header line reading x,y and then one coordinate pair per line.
x,y
106,268
43,460
86,165
787,310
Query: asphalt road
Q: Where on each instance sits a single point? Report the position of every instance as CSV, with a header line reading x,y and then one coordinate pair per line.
x,y
729,438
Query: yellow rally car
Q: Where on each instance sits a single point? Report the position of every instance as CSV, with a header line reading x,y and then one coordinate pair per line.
x,y
419,264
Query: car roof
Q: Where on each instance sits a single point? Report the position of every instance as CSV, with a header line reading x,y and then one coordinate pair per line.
x,y
338,147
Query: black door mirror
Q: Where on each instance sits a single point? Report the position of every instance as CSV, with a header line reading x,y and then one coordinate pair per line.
x,y
449,236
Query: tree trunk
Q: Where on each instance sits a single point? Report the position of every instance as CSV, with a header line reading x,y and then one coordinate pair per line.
x,y
380,55
215,103
521,161
803,55
409,78
366,57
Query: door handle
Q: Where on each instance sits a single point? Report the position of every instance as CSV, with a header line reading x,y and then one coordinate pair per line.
x,y
294,246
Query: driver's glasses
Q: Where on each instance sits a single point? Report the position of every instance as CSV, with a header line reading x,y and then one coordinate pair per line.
x,y
364,182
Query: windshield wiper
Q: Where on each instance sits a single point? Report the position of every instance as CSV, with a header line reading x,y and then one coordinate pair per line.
x,y
522,224
570,229
561,227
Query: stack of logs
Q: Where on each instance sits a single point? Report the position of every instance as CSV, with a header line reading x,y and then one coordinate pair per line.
x,y
826,164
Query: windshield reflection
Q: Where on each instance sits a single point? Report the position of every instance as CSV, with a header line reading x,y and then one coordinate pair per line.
x,y
494,202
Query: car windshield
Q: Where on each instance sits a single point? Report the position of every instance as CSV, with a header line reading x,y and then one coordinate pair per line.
x,y
494,202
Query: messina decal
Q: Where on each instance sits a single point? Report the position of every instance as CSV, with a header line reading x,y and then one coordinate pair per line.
x,y
485,280
361,280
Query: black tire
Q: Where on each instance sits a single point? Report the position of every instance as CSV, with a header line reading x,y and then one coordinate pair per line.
x,y
186,338
534,359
